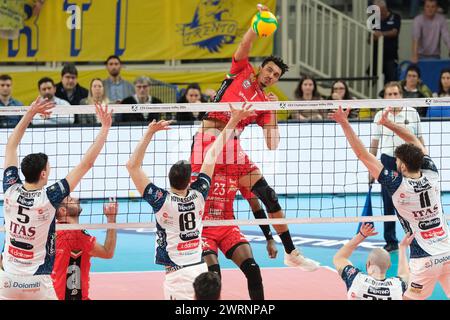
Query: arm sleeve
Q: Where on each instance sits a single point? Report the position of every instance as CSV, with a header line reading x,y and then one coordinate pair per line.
x,y
428,164
202,184
10,178
264,118
57,192
237,66
155,196
390,179
349,274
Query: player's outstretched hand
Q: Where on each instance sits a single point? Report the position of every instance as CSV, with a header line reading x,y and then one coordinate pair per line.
x,y
103,115
110,210
406,241
41,106
339,115
272,249
159,126
367,230
385,117
239,114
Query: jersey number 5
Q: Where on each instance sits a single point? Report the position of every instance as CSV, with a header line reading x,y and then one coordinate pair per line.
x,y
26,218
187,221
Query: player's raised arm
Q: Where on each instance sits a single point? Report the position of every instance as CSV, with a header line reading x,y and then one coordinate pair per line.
x,y
370,161
403,267
243,51
74,176
341,258
211,156
134,165
401,131
42,106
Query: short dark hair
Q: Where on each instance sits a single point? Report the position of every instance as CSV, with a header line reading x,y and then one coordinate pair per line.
x,y
180,175
113,56
5,77
414,68
32,166
207,286
279,62
44,80
69,68
411,156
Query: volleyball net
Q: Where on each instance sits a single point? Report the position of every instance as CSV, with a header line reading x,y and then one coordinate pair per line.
x,y
314,171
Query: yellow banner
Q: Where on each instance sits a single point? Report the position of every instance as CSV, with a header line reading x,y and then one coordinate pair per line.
x,y
135,30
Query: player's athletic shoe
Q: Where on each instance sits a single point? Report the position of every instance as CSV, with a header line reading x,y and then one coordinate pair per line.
x,y
295,259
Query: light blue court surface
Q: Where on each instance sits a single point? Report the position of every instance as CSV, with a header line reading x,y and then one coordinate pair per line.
x,y
135,248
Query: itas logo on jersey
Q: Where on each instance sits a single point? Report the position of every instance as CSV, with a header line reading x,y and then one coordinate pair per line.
x,y
193,244
438,232
21,231
426,225
425,213
20,254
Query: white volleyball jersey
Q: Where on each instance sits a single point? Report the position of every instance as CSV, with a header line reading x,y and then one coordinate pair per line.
x,y
29,247
179,222
361,286
419,209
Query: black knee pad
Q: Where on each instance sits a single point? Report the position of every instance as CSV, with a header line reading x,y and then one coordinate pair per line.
x,y
267,195
252,272
216,269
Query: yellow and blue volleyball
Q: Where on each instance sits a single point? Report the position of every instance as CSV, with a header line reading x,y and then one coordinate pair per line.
x,y
264,23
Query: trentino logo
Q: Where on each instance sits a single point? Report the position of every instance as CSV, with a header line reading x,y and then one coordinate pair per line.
x,y
211,26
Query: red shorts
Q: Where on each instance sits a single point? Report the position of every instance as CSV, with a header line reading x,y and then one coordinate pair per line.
x,y
223,238
231,161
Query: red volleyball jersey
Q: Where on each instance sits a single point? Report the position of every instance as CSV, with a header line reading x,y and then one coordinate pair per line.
x,y
241,86
72,264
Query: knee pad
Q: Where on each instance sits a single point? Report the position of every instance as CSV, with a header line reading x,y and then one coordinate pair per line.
x,y
252,272
267,195
216,269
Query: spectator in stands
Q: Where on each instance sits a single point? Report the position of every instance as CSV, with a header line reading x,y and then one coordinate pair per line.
x,y
428,30
444,84
116,88
207,286
389,30
6,100
47,90
69,89
340,91
142,96
307,91
192,94
387,141
413,87
96,95
443,91
13,14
